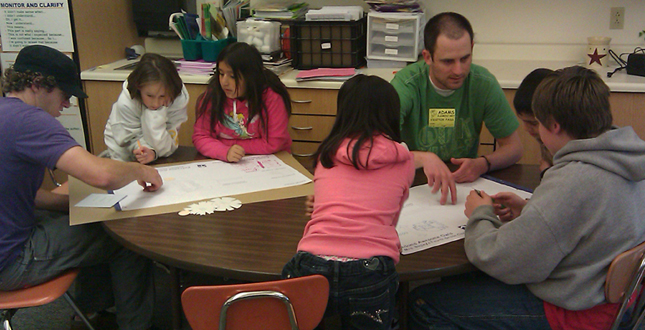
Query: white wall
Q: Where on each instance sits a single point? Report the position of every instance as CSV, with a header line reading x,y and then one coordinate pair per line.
x,y
542,27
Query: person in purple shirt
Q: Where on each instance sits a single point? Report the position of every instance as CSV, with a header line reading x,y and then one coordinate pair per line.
x,y
37,245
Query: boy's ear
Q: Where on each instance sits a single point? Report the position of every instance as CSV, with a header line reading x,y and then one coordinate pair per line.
x,y
555,127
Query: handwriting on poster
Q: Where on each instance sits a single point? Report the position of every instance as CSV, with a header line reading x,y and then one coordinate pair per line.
x,y
27,22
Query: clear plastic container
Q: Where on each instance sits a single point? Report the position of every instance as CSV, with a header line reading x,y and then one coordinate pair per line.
x,y
264,35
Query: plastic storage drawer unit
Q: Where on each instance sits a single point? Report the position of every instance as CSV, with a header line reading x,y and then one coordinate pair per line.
x,y
394,36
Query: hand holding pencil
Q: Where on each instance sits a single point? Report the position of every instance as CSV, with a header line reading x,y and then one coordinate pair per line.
x,y
144,154
508,205
475,199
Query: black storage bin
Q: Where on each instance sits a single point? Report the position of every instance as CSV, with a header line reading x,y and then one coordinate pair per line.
x,y
328,44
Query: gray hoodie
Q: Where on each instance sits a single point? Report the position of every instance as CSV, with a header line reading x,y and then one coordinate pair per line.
x,y
588,208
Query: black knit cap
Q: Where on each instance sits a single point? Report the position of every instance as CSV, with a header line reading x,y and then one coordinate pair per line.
x,y
51,62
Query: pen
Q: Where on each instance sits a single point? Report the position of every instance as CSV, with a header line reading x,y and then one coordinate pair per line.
x,y
478,193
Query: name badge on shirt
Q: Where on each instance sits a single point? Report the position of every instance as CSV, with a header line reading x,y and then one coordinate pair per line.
x,y
441,117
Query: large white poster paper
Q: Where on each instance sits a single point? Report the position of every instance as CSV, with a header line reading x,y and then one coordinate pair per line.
x,y
424,223
213,178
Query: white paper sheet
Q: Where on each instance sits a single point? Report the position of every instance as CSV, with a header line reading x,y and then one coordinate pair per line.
x,y
213,178
424,223
100,200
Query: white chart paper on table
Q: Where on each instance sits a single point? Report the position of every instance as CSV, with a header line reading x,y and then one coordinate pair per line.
x,y
213,178
424,223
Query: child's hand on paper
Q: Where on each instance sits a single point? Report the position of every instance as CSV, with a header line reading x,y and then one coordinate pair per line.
x,y
508,205
235,153
475,199
144,154
309,205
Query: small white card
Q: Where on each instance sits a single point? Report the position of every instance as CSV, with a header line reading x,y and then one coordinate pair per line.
x,y
100,200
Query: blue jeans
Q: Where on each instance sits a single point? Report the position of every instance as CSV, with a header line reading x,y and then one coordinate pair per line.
x,y
55,246
362,292
475,301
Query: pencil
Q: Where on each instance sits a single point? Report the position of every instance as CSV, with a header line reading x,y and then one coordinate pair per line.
x,y
139,143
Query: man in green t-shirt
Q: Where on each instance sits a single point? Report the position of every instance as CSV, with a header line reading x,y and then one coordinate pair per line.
x,y
444,101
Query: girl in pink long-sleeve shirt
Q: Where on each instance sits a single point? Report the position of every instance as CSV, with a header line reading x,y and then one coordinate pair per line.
x,y
362,177
244,110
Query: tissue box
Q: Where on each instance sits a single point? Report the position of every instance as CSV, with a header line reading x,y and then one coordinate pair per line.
x,y
264,35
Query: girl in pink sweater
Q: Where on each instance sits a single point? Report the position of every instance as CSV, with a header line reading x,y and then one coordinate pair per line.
x,y
244,110
362,177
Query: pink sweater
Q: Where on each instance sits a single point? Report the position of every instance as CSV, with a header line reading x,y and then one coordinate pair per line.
x,y
356,211
239,129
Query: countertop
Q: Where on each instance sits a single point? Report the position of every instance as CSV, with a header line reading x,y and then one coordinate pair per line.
x,y
509,73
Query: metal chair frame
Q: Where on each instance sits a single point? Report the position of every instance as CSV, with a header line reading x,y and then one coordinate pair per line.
x,y
255,295
303,299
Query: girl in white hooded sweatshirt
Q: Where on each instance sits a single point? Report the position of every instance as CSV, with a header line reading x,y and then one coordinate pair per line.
x,y
145,120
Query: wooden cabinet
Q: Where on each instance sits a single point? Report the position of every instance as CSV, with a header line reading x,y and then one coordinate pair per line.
x,y
313,112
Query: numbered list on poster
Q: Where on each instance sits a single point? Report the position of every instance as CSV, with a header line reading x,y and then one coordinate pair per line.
x,y
30,22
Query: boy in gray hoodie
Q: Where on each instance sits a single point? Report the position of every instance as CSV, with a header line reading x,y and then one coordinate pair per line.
x,y
546,267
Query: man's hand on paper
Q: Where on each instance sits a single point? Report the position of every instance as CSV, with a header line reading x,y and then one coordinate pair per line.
x,y
508,205
235,153
438,174
150,179
468,170
475,199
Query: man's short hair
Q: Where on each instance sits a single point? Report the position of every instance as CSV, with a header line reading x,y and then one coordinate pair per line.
x,y
450,24
577,99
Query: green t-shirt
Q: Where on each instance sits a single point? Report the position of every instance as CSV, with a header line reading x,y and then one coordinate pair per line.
x,y
449,126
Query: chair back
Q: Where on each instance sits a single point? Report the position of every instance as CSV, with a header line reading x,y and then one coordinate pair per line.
x,y
624,278
295,303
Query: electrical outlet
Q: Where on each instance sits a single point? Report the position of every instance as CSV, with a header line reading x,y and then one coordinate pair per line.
x,y
617,18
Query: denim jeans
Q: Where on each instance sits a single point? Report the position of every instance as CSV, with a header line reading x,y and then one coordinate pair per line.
x,y
475,301
55,246
362,292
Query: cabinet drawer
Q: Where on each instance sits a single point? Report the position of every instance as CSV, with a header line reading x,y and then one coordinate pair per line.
x,y
303,152
313,101
310,128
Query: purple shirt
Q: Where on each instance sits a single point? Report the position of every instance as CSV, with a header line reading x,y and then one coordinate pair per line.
x,y
30,140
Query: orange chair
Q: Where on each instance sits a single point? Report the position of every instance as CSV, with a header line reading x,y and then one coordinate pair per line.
x,y
624,279
295,303
37,295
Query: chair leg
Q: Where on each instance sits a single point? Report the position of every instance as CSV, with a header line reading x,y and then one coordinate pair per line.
x,y
6,316
78,311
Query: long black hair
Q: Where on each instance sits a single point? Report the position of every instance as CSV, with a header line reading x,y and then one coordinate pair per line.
x,y
246,63
367,106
